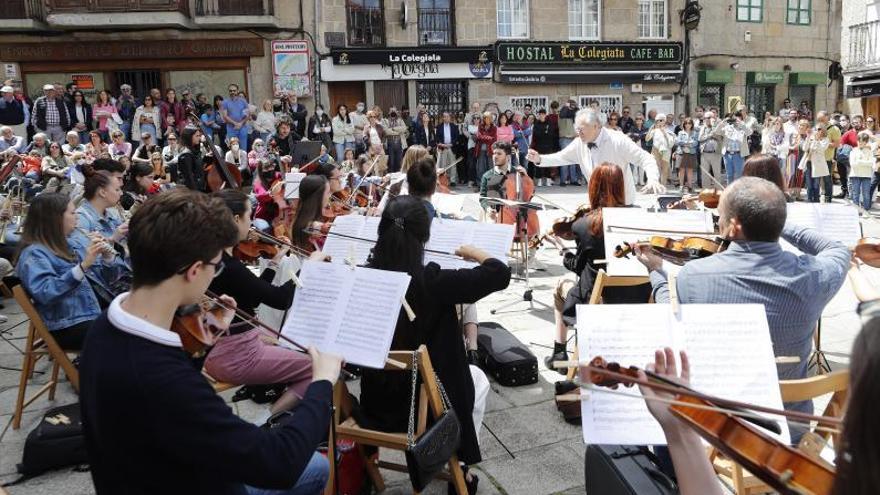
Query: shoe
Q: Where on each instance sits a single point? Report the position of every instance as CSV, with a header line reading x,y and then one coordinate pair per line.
x,y
473,357
562,184
559,356
471,485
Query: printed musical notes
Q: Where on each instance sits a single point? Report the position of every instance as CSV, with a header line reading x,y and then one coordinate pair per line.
x,y
351,312
834,221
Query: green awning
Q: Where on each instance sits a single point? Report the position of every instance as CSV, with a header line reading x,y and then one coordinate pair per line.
x,y
767,78
716,76
807,78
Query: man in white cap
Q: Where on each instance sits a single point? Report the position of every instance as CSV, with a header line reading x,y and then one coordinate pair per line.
x,y
50,115
12,111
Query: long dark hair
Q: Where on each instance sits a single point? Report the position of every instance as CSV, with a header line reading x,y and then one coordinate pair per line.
x,y
347,119
765,167
236,200
404,230
135,172
311,195
857,463
44,224
186,138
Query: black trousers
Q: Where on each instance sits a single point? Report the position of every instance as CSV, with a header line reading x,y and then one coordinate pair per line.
x,y
843,172
72,338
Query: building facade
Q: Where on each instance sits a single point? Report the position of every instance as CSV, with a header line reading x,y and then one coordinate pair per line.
x,y
196,45
762,52
446,54
860,57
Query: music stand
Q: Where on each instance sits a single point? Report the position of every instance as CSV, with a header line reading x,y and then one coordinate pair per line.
x,y
304,151
522,210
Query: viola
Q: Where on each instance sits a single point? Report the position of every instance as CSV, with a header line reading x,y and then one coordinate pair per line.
x,y
199,326
785,469
518,186
678,251
252,250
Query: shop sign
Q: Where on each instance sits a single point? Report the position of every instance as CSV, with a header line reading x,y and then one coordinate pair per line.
x,y
764,77
536,77
587,53
84,82
131,50
415,55
291,67
863,90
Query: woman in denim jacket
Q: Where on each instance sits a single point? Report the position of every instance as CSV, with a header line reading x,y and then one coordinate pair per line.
x,y
53,273
97,212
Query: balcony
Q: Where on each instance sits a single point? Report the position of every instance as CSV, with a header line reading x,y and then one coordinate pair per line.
x,y
115,14
22,15
235,13
366,25
864,47
436,27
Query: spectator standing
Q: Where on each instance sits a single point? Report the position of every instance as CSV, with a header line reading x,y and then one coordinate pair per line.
x,y
80,115
219,124
172,107
445,136
687,141
568,174
147,119
395,139
817,169
862,161
105,115
343,132
486,136
265,123
359,121
423,134
662,142
735,145
126,106
504,134
50,115
544,142
321,127
12,111
234,112
627,122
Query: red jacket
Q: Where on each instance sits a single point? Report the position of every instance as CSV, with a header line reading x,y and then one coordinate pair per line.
x,y
485,136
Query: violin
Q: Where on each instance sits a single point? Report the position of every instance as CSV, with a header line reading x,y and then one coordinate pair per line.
x,y
677,251
252,250
708,197
519,188
199,326
562,227
868,251
782,467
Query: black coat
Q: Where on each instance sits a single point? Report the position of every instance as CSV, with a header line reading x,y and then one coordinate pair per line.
x,y
191,170
544,138
439,131
87,110
419,137
385,396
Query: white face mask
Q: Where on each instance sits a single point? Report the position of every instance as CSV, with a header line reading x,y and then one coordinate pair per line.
x,y
319,113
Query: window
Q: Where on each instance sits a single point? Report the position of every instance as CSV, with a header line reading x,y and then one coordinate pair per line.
x,y
583,19
798,94
798,12
513,18
652,19
518,103
366,22
711,95
442,96
436,22
750,10
759,99
607,103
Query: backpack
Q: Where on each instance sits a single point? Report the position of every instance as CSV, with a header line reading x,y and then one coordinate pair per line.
x,y
58,441
842,154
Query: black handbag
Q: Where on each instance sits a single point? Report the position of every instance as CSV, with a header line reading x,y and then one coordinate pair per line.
x,y
437,444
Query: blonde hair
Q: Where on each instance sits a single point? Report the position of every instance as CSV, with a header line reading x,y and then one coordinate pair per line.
x,y
413,154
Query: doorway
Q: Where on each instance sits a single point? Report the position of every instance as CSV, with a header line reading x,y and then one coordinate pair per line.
x,y
141,81
345,93
390,94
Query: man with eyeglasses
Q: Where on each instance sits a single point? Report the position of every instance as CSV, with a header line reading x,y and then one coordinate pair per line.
x,y
596,145
234,111
786,108
126,105
626,122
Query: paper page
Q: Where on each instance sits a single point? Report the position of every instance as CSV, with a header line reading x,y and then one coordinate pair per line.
x,y
627,334
835,221
496,239
292,180
341,248
345,311
729,349
449,235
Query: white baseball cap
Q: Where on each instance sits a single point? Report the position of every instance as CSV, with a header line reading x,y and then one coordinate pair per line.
x,y
48,87
7,89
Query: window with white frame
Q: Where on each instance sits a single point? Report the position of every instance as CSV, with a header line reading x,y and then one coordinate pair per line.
x,y
518,103
583,19
652,19
607,103
513,18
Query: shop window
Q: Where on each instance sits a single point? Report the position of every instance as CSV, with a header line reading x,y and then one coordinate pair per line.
x,y
512,18
436,22
798,12
518,103
442,96
749,10
141,81
583,19
607,103
711,95
366,22
798,94
652,19
759,99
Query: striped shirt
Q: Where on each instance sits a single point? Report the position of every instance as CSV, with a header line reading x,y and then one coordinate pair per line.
x,y
794,289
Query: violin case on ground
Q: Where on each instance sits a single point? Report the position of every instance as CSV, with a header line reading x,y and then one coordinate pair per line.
x,y
503,356
58,441
625,470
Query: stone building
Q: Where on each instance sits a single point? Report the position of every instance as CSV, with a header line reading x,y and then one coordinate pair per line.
x,y
445,54
196,45
860,56
763,52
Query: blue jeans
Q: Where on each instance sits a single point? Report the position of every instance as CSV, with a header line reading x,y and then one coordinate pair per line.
x,y
567,173
241,134
733,163
340,150
311,482
812,185
861,189
125,127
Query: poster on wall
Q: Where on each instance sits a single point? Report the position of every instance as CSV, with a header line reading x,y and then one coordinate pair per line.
x,y
84,82
291,67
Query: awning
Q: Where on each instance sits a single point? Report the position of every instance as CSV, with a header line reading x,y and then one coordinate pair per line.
x,y
807,78
716,76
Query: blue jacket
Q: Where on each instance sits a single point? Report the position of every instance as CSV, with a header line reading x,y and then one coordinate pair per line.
x,y
60,291
522,136
89,220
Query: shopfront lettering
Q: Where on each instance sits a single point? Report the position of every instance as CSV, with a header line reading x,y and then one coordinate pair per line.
x,y
587,53
411,70
530,54
126,50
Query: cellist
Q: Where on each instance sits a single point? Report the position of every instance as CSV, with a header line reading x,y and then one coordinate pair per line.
x,y
492,182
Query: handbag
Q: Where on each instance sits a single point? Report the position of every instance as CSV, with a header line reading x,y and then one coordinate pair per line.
x,y
427,456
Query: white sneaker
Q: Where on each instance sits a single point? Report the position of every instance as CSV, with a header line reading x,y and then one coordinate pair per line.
x,y
4,318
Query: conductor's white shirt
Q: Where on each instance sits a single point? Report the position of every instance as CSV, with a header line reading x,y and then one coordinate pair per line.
x,y
610,146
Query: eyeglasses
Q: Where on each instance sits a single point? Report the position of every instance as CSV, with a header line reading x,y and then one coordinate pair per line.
x,y
172,139
218,267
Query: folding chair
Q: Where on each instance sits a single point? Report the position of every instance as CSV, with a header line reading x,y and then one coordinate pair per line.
x,y
603,281
835,383
347,428
40,342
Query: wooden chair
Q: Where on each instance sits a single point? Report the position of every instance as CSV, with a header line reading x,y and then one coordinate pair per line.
x,y
603,281
40,342
835,383
347,428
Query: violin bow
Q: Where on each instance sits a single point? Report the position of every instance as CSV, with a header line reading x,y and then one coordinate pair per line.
x,y
371,241
367,172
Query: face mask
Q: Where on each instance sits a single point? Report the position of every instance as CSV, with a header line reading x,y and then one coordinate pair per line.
x,y
319,113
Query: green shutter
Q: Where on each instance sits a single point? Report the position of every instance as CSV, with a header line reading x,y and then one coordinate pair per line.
x,y
807,78
716,76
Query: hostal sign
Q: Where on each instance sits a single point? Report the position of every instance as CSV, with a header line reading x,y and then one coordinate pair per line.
x,y
566,53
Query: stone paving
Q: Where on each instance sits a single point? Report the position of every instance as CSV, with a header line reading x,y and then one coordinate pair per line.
x,y
546,454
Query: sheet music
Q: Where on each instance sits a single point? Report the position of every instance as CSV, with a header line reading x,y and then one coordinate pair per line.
x,y
728,345
341,248
292,180
835,221
345,311
669,223
448,235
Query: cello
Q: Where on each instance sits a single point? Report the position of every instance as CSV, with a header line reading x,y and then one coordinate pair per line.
x,y
520,189
218,173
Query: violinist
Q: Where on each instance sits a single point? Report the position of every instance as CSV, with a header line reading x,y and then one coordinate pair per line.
x,y
606,190
242,356
138,384
396,183
189,162
314,196
492,182
754,269
268,187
